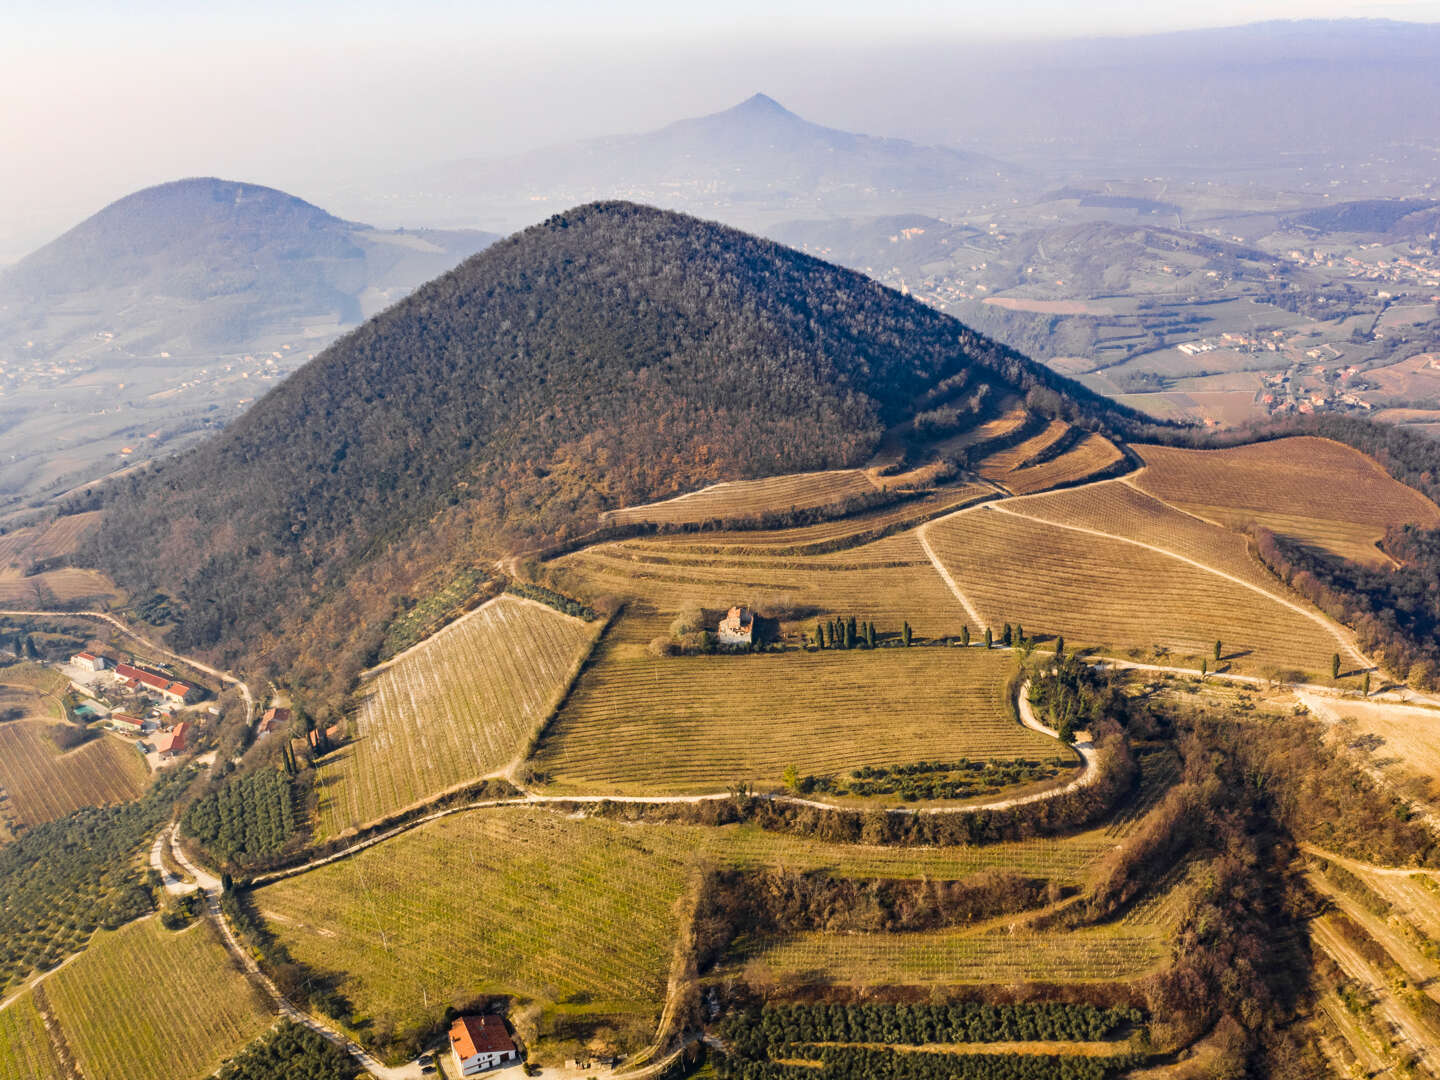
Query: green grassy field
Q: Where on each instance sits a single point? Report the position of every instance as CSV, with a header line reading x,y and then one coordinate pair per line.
x,y
637,723
455,708
25,1048
145,1003
523,902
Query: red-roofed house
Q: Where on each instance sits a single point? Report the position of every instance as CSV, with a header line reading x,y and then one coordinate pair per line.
x,y
275,719
170,743
175,691
480,1043
126,723
89,661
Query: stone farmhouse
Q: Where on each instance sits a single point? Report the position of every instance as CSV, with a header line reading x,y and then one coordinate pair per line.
x,y
737,627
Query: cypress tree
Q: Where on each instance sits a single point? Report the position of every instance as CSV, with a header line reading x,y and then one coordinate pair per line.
x,y
870,634
905,634
850,633
1204,667
819,636
965,636
1059,646
1335,666
1005,635
1019,634
1367,684
989,638
1217,651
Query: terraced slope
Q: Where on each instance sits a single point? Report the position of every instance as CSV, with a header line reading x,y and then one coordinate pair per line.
x,y
1309,489
1099,591
459,706
25,1047
641,724
741,498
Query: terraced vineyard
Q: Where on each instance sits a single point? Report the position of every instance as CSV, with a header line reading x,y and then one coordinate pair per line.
x,y
25,1048
1089,456
21,547
889,582
457,707
996,464
741,498
637,723
144,1003
1103,592
529,903
958,957
41,784
1312,490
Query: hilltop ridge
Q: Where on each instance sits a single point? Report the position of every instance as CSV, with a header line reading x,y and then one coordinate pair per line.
x,y
611,355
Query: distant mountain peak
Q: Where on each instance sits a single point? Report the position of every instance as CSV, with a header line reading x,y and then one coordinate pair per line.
x,y
762,103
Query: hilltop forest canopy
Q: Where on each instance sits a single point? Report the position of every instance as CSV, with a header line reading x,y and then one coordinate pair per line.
x,y
611,355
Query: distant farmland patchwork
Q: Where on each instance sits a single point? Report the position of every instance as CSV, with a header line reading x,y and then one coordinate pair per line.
x,y
457,707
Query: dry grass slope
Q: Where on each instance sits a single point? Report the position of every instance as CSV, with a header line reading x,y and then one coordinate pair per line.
x,y
459,706
42,784
144,1003
1313,490
66,586
739,498
1102,592
639,724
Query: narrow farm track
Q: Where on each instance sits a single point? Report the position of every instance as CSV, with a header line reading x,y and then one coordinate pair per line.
x,y
210,888
950,582
223,676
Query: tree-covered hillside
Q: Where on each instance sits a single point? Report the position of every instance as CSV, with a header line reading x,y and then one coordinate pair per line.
x,y
610,355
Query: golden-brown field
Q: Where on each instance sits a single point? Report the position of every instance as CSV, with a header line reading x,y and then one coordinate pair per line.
x,y
21,547
1312,490
41,784
1104,592
1089,456
740,498
65,586
637,723
460,705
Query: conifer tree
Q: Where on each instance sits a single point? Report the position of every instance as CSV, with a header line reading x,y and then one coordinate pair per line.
x,y
905,634
850,633
1335,666
819,636
1217,651
1204,667
1366,688
1059,647
1019,634
870,634
965,636
989,638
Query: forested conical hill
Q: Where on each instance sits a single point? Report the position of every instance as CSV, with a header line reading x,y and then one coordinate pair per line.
x,y
611,355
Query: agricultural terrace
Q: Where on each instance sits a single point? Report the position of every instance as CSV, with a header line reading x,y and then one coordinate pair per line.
x,y
887,582
145,1003
641,724
994,952
66,586
22,547
1108,593
743,498
25,1048
1086,458
554,908
997,463
530,903
823,537
1404,741
1117,508
40,783
1308,489
458,706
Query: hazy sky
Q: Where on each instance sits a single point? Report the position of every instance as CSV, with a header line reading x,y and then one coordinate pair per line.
x,y
101,98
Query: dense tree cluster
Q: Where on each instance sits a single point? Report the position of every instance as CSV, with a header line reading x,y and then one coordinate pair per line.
x,y
1395,612
62,879
868,1063
753,1030
1072,695
248,815
290,1051
559,601
611,355
936,779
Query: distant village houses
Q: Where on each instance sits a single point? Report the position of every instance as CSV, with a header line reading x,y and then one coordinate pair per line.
x,y
737,627
481,1043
